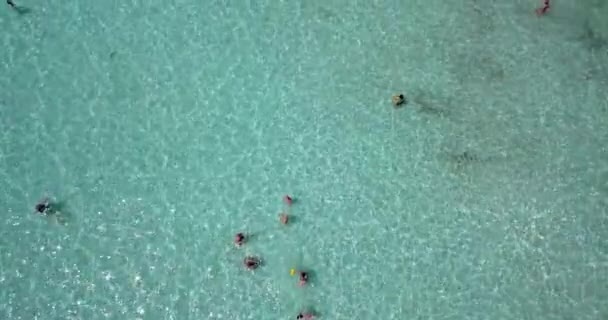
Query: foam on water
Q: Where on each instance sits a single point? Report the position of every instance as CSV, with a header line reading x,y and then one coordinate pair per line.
x,y
162,129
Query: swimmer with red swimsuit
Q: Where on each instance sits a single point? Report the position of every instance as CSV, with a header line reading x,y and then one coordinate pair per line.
x,y
239,239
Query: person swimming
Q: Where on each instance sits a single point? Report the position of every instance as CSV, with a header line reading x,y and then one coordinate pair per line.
x,y
288,200
239,239
303,278
305,316
284,218
44,207
251,263
398,100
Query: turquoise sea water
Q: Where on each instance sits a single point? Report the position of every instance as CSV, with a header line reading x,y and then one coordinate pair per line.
x,y
162,128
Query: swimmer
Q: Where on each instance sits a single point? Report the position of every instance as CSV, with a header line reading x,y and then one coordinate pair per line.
x,y
288,200
398,100
544,9
305,316
239,239
11,3
44,207
251,263
303,278
284,218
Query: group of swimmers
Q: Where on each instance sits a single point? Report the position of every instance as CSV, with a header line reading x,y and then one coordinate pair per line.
x,y
252,262
48,208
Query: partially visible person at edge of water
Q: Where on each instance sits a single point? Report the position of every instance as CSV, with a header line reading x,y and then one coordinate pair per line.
x,y
18,9
305,316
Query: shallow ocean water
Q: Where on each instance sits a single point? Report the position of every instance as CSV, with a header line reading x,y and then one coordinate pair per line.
x,y
163,128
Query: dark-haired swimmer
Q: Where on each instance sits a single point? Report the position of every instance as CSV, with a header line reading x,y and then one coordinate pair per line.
x,y
251,263
44,207
303,278
288,200
398,100
239,239
305,316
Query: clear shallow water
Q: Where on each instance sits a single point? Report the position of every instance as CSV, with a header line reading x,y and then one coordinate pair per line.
x,y
165,128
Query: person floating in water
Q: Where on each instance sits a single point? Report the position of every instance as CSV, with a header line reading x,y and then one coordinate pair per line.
x,y
288,200
44,207
239,239
303,278
52,210
398,100
251,263
305,316
284,218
